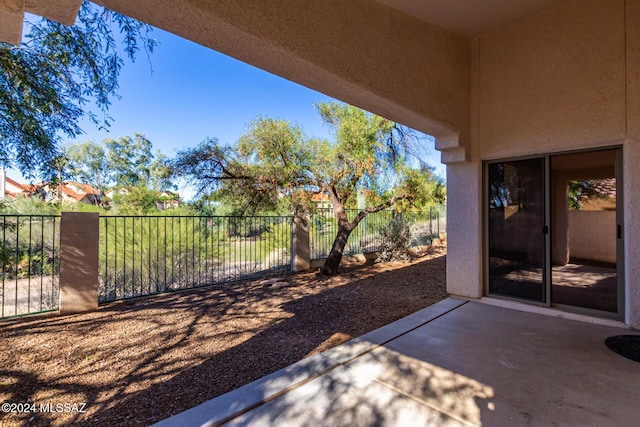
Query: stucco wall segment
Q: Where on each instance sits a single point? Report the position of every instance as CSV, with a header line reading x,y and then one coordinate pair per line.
x,y
11,13
63,11
633,67
553,82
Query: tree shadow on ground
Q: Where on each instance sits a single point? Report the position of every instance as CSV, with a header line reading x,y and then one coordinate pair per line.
x,y
205,342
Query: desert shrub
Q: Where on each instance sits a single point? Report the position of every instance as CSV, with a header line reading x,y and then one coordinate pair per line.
x,y
396,239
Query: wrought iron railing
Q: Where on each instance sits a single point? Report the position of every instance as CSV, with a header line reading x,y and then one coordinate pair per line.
x,y
29,256
144,255
365,238
368,235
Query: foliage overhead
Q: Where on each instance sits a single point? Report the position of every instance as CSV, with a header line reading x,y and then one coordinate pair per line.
x,y
48,82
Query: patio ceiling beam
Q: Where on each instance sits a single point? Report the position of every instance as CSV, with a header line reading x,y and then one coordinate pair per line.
x,y
12,15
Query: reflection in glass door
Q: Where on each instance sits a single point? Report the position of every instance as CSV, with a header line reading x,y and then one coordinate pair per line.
x,y
516,220
585,238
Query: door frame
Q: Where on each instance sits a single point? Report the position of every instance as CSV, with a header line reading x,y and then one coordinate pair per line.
x,y
547,276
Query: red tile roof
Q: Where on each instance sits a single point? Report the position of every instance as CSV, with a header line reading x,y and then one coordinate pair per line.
x,y
319,197
28,188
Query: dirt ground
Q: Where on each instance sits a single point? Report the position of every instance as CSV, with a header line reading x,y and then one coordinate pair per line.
x,y
139,361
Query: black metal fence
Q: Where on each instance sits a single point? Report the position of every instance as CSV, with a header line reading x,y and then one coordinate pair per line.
x,y
29,256
365,238
144,255
426,226
368,235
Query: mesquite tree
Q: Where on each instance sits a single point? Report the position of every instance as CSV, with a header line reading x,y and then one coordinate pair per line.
x,y
274,161
59,75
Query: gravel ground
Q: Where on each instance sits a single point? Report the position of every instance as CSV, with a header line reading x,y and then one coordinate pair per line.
x,y
139,361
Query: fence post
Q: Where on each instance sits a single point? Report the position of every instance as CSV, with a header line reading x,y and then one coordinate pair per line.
x,y
431,223
300,246
78,262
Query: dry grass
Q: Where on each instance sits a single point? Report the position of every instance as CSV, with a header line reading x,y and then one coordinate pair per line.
x,y
139,361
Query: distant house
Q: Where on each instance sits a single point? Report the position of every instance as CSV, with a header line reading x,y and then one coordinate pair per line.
x,y
321,200
72,191
10,188
50,192
169,200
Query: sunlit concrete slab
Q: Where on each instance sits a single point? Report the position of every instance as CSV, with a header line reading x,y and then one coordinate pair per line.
x,y
466,364
344,398
496,366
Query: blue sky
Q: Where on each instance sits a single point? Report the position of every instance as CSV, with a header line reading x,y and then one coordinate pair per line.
x,y
184,93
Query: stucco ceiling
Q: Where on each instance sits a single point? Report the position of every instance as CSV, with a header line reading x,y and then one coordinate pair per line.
x,y
470,17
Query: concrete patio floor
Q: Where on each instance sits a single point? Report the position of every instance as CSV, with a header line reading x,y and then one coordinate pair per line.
x,y
456,363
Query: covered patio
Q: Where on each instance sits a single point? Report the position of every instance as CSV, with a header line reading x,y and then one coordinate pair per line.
x,y
508,90
456,363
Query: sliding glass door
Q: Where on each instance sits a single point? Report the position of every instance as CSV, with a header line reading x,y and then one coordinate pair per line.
x,y
516,214
554,231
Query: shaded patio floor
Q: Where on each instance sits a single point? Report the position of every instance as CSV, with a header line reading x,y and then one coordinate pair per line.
x,y
455,363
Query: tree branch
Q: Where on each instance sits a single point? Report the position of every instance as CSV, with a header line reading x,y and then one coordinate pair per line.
x,y
366,211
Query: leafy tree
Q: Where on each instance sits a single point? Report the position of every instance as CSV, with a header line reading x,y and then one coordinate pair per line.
x,y
129,160
49,80
132,163
88,163
160,173
137,200
274,161
59,165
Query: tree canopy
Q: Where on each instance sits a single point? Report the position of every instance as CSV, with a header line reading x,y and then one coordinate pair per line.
x,y
274,163
128,162
51,80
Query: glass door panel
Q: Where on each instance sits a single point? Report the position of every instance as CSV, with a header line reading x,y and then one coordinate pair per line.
x,y
516,217
585,226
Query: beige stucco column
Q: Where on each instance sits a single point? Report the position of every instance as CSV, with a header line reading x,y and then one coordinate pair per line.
x,y
631,176
631,167
78,262
301,249
464,242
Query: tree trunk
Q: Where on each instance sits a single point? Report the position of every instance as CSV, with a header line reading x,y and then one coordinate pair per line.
x,y
332,263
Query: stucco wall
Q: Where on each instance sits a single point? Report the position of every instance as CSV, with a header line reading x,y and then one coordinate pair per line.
x,y
632,167
553,82
592,235
567,79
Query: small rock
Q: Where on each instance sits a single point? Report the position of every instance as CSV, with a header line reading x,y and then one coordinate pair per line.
x,y
269,282
279,285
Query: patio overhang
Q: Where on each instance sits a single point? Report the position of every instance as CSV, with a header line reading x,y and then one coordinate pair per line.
x,y
408,61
